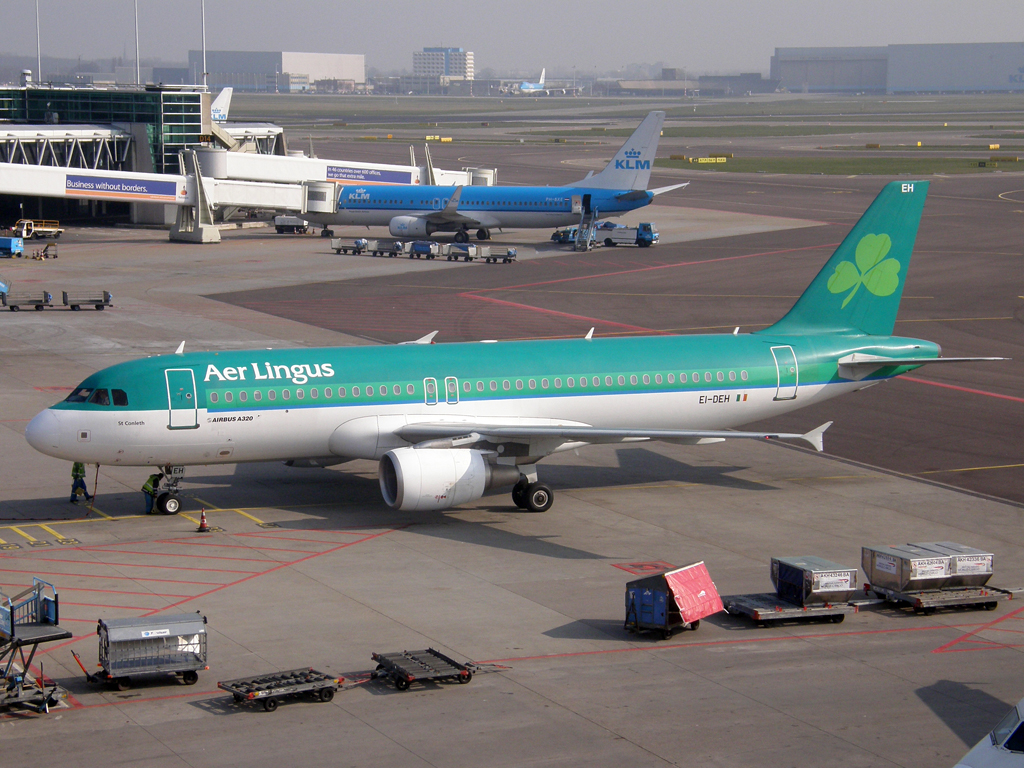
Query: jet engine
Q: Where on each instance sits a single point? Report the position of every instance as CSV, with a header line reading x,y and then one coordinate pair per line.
x,y
410,226
422,479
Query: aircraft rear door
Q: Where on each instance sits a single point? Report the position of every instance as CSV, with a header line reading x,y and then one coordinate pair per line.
x,y
182,410
789,375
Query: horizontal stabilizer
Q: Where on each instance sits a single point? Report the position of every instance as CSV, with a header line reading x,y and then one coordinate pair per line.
x,y
858,366
670,188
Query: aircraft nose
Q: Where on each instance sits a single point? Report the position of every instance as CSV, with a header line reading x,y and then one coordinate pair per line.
x,y
43,432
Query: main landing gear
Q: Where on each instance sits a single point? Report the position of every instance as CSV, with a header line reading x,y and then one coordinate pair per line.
x,y
483,234
535,497
462,236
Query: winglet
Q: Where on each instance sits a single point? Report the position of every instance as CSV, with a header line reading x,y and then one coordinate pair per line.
x,y
181,349
590,335
428,339
814,437
453,201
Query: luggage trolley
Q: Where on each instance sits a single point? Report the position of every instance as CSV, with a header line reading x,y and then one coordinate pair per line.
x,y
268,689
27,620
159,644
408,667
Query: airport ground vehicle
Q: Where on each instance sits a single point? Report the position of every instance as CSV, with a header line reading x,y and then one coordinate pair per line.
x,y
644,235
409,667
95,299
173,644
37,228
12,246
290,225
364,245
269,689
424,249
37,300
27,620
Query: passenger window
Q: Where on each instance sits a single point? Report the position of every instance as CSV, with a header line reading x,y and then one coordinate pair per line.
x,y
732,375
696,377
657,378
355,391
243,396
80,395
533,384
397,389
505,385
257,395
466,386
543,383
647,379
479,386
327,391
409,389
314,394
100,397
633,379
707,376
228,397
558,383
720,376
583,381
743,375
494,386
519,383
272,395
286,394
300,394
120,397
607,381
622,380
570,382
597,381
671,378
369,391
213,397
342,392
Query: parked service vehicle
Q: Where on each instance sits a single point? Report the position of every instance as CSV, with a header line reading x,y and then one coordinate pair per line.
x,y
37,228
644,235
425,249
291,225
568,235
1003,747
12,246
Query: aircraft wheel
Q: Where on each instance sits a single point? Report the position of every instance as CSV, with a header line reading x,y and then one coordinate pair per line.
x,y
519,493
483,234
462,236
539,497
168,504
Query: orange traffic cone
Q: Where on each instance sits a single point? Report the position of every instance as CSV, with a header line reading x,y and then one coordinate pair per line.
x,y
203,527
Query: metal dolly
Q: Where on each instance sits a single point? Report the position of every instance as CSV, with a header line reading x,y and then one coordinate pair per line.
x,y
926,601
267,689
408,667
768,607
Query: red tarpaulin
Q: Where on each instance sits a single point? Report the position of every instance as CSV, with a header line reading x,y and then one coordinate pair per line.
x,y
694,591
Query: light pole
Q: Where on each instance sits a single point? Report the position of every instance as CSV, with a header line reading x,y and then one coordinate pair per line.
x,y
39,51
138,70
203,5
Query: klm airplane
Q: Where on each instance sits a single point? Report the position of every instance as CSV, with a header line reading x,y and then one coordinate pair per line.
x,y
449,422
420,211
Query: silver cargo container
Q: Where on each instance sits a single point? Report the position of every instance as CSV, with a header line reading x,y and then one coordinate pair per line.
x,y
812,581
905,567
968,567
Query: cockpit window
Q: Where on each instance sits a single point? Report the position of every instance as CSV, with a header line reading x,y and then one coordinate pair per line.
x,y
1005,727
80,395
1016,742
120,397
100,397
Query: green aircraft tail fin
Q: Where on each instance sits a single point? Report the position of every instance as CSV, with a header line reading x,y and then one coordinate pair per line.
x,y
859,288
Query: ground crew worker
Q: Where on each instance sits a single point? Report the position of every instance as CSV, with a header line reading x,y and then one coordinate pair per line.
x,y
78,481
151,489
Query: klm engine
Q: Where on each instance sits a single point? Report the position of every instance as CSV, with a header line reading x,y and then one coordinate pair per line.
x,y
411,226
424,479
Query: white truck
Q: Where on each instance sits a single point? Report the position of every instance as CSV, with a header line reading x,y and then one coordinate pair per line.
x,y
643,235
291,224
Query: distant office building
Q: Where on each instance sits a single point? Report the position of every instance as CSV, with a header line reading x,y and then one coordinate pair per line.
x,y
931,68
452,63
274,71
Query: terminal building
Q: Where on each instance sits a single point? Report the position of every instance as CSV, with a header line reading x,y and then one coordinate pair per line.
x,y
454,63
279,71
928,68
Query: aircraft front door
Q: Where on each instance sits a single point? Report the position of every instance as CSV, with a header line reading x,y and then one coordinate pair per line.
x,y
789,374
182,409
586,203
430,391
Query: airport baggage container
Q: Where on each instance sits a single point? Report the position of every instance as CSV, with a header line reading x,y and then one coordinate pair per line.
x,y
174,644
425,249
767,607
968,567
12,246
408,667
929,600
341,245
812,580
674,600
27,620
905,567
37,300
95,299
385,247
462,251
268,689
492,254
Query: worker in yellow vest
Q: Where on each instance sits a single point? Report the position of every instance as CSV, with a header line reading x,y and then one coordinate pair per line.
x,y
78,482
151,489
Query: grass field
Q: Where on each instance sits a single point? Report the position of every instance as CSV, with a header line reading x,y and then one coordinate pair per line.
x,y
838,166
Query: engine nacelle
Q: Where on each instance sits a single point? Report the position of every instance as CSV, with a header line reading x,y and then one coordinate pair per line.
x,y
410,226
422,479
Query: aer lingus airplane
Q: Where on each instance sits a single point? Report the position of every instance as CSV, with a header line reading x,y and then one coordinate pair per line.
x,y
448,422
420,211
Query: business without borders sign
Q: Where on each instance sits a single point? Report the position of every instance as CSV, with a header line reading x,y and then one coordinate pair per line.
x,y
124,189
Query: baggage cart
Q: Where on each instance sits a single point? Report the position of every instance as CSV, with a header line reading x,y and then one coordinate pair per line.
x,y
927,601
174,644
492,254
268,689
676,599
766,608
341,245
38,300
96,299
462,251
27,620
807,580
408,667
426,249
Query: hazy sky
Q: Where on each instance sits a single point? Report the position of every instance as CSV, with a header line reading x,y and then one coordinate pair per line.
x,y
701,35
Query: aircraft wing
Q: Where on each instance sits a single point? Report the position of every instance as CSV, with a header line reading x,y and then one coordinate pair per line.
x,y
450,214
466,433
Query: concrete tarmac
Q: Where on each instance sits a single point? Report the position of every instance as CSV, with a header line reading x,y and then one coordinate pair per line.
x,y
312,569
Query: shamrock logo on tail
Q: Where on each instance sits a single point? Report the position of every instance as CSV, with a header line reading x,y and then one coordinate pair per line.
x,y
877,273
